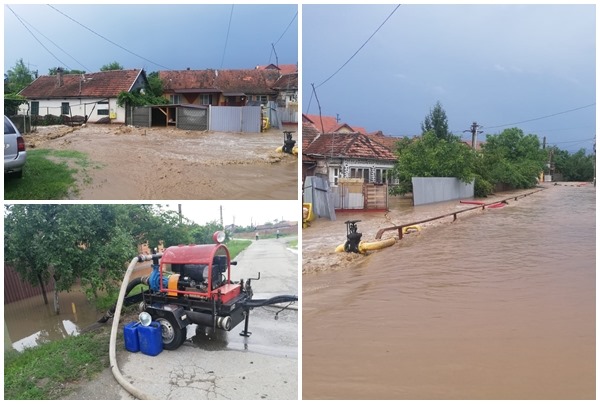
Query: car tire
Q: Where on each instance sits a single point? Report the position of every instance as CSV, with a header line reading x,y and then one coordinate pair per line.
x,y
172,335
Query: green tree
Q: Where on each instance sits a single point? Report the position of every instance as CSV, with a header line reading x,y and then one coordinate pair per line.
x,y
574,167
155,85
430,156
111,66
15,80
437,122
67,243
513,158
53,71
18,77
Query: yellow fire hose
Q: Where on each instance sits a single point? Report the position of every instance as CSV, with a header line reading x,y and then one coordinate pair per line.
x,y
363,247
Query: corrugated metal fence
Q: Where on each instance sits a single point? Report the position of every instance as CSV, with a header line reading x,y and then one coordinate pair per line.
x,y
235,119
439,189
16,289
192,118
317,192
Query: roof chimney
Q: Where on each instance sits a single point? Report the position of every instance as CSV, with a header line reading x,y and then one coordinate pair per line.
x,y
59,77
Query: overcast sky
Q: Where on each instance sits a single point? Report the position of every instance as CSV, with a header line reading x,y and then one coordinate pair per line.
x,y
242,213
163,36
494,64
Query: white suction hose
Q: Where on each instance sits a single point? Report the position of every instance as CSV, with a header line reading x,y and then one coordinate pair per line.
x,y
112,351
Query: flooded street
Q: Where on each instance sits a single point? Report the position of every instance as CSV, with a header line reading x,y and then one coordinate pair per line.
x,y
497,305
166,163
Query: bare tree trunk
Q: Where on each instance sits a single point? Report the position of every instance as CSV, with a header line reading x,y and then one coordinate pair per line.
x,y
43,289
56,304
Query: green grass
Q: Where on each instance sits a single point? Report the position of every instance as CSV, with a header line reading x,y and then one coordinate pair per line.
x,y
47,371
48,174
237,246
293,243
106,301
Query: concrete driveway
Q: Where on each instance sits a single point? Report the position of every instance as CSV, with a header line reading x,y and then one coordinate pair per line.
x,y
226,365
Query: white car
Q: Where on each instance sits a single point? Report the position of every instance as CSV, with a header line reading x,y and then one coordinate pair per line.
x,y
14,149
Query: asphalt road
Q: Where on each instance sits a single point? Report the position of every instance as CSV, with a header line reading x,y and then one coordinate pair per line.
x,y
226,365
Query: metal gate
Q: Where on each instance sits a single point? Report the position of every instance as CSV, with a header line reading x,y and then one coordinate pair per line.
x,y
235,119
192,118
349,194
140,116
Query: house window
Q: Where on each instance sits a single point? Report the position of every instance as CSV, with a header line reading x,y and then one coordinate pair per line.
x,y
380,176
64,108
366,176
206,99
175,99
334,175
102,107
35,107
262,98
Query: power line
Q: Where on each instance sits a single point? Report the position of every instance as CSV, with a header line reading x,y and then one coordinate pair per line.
x,y
284,31
108,40
362,46
286,28
542,117
227,36
53,43
43,46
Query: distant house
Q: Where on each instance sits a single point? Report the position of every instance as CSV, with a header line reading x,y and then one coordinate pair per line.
x,y
230,87
90,95
345,155
330,124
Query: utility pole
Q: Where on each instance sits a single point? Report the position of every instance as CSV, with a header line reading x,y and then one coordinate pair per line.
x,y
474,131
179,211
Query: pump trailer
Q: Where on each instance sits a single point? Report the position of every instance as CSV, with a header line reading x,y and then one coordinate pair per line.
x,y
192,284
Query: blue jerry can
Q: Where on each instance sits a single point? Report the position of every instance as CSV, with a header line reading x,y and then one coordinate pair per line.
x,y
150,339
130,333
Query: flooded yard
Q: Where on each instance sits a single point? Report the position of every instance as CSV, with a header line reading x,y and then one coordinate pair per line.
x,y
166,163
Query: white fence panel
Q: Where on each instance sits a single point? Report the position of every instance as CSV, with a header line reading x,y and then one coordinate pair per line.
x,y
235,119
439,189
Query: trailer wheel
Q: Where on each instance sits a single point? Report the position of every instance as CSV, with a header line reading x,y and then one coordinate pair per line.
x,y
172,336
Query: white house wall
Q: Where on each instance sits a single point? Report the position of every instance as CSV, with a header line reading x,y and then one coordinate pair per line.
x,y
371,165
78,106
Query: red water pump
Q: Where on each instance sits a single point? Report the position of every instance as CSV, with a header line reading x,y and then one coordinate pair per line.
x,y
191,284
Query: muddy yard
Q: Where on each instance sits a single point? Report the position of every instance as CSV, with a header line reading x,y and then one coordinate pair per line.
x,y
167,163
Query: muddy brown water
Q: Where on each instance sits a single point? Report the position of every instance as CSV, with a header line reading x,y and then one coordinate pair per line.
x,y
166,163
30,322
500,305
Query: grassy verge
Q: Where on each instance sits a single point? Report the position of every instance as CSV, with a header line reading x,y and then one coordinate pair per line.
x,y
293,244
48,174
47,371
237,246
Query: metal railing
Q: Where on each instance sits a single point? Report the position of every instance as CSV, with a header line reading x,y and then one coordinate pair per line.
x,y
454,214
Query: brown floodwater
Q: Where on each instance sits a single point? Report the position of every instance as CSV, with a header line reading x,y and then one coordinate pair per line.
x,y
499,306
30,322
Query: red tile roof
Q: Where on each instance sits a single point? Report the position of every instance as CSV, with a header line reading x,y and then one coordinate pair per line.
x,y
309,133
388,141
348,145
329,124
283,69
188,79
102,84
287,82
249,81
